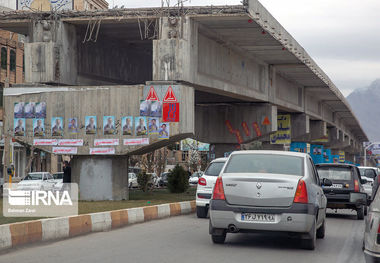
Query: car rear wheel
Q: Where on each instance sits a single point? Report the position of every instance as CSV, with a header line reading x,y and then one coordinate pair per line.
x,y
360,213
321,230
310,242
202,211
219,239
366,210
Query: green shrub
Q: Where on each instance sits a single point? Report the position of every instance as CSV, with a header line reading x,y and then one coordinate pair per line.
x,y
144,180
178,180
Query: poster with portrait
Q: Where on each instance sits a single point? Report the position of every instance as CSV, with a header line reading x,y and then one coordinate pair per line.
x,y
156,109
38,127
164,131
127,125
73,126
90,123
153,125
57,126
29,110
19,126
40,110
109,125
18,110
145,107
140,126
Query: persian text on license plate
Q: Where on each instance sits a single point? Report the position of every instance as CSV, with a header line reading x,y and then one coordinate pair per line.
x,y
337,186
258,217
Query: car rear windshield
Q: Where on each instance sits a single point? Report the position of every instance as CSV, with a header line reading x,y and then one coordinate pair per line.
x,y
335,173
370,173
214,169
265,163
33,177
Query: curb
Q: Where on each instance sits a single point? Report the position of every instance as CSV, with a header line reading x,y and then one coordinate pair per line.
x,y
17,234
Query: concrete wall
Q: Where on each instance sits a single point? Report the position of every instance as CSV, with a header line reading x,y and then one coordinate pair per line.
x,y
82,101
104,178
113,63
211,122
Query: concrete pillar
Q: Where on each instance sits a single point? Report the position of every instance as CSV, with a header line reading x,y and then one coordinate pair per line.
x,y
51,54
300,127
54,163
318,129
101,177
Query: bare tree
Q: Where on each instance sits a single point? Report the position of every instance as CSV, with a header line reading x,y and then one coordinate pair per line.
x,y
160,160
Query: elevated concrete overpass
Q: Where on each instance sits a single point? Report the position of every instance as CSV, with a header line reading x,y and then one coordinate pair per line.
x,y
236,69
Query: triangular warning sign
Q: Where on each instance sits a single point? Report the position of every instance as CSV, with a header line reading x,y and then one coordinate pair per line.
x,y
266,121
152,95
170,96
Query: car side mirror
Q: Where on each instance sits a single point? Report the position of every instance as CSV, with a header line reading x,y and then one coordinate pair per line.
x,y
326,182
363,181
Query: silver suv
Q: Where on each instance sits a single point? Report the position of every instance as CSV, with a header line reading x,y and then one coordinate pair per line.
x,y
269,191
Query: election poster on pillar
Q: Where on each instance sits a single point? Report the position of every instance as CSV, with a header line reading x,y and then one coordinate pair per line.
x,y
283,133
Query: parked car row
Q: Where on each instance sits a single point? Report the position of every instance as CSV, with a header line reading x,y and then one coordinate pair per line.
x,y
261,191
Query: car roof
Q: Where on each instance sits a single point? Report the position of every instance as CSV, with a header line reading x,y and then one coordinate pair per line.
x,y
224,159
367,167
336,164
39,173
296,154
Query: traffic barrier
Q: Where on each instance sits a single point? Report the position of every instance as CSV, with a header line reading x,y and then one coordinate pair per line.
x,y
13,235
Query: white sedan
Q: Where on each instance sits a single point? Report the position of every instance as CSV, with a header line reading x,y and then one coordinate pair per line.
x,y
37,181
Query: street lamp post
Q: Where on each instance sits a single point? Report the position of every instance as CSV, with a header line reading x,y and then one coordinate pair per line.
x,y
365,152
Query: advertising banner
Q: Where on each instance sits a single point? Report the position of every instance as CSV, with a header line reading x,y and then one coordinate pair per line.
x,y
283,133
70,142
45,142
65,150
301,147
137,141
106,142
102,151
317,153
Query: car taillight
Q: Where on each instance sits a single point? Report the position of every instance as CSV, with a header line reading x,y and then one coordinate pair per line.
x,y
301,193
356,186
378,235
218,193
202,181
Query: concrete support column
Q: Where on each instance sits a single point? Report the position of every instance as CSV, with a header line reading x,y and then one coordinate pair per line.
x,y
220,149
54,163
300,127
101,177
318,130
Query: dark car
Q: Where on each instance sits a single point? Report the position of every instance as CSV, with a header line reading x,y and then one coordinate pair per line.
x,y
346,191
163,181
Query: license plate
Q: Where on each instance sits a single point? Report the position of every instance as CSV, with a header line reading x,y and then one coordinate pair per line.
x,y
258,217
337,186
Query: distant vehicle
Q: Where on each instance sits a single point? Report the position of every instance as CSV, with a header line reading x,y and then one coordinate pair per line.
x,y
132,180
193,180
206,184
277,191
370,174
347,186
58,178
37,181
163,181
154,179
371,240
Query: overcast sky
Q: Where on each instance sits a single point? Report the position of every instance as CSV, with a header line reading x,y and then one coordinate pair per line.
x,y
342,36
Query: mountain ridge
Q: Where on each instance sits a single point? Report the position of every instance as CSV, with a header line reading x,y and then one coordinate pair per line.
x,y
365,102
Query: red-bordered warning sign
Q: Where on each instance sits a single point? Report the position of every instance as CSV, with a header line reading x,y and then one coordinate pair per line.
x,y
170,96
152,95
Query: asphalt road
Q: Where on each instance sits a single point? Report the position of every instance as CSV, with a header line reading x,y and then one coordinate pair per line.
x,y
186,239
